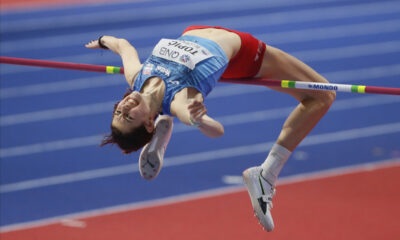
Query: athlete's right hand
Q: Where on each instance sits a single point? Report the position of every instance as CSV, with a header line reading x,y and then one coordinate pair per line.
x,y
197,110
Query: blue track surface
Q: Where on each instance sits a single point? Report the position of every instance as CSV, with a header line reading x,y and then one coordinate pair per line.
x,y
52,120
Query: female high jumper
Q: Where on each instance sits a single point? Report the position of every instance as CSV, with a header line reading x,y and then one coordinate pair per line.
x,y
177,77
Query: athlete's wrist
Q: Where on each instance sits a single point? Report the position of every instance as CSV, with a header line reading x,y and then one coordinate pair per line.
x,y
194,123
101,42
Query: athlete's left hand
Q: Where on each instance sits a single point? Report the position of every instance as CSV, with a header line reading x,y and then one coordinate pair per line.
x,y
93,44
197,110
96,44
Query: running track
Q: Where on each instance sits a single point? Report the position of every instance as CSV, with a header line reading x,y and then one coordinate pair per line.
x,y
341,183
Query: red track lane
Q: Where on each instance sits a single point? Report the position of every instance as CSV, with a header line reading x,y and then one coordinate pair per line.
x,y
362,206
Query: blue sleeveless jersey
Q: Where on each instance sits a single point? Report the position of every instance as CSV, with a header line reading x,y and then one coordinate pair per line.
x,y
177,76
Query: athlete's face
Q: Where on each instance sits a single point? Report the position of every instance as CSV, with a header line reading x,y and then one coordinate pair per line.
x,y
132,112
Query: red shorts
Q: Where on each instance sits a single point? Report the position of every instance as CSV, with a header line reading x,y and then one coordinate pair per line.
x,y
247,62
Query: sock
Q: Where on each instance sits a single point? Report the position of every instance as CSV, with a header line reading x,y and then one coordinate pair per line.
x,y
274,163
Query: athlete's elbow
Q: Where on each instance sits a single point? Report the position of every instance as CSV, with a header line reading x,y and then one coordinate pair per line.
x,y
220,133
123,46
122,42
217,133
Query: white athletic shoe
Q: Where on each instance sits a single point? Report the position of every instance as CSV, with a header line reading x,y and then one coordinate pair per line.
x,y
152,155
261,193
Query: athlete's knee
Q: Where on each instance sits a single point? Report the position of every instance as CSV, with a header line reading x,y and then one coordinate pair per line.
x,y
329,98
324,99
321,100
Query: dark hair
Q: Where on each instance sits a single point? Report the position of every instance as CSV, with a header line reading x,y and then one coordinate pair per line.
x,y
128,142
131,141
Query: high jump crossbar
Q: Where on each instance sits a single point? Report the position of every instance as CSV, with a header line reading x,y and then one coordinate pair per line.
x,y
252,81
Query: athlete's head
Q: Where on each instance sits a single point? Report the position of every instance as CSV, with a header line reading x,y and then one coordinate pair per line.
x,y
132,126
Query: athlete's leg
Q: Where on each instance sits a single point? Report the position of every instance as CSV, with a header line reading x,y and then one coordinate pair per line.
x,y
313,104
261,180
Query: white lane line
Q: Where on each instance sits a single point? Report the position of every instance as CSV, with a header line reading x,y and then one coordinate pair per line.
x,y
359,74
62,86
68,222
344,135
51,146
349,51
106,81
122,208
59,113
339,105
308,55
230,120
232,179
131,14
363,74
260,20
334,172
277,113
99,108
334,32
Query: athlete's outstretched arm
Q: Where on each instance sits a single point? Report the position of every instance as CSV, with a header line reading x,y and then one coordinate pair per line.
x,y
195,113
128,53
